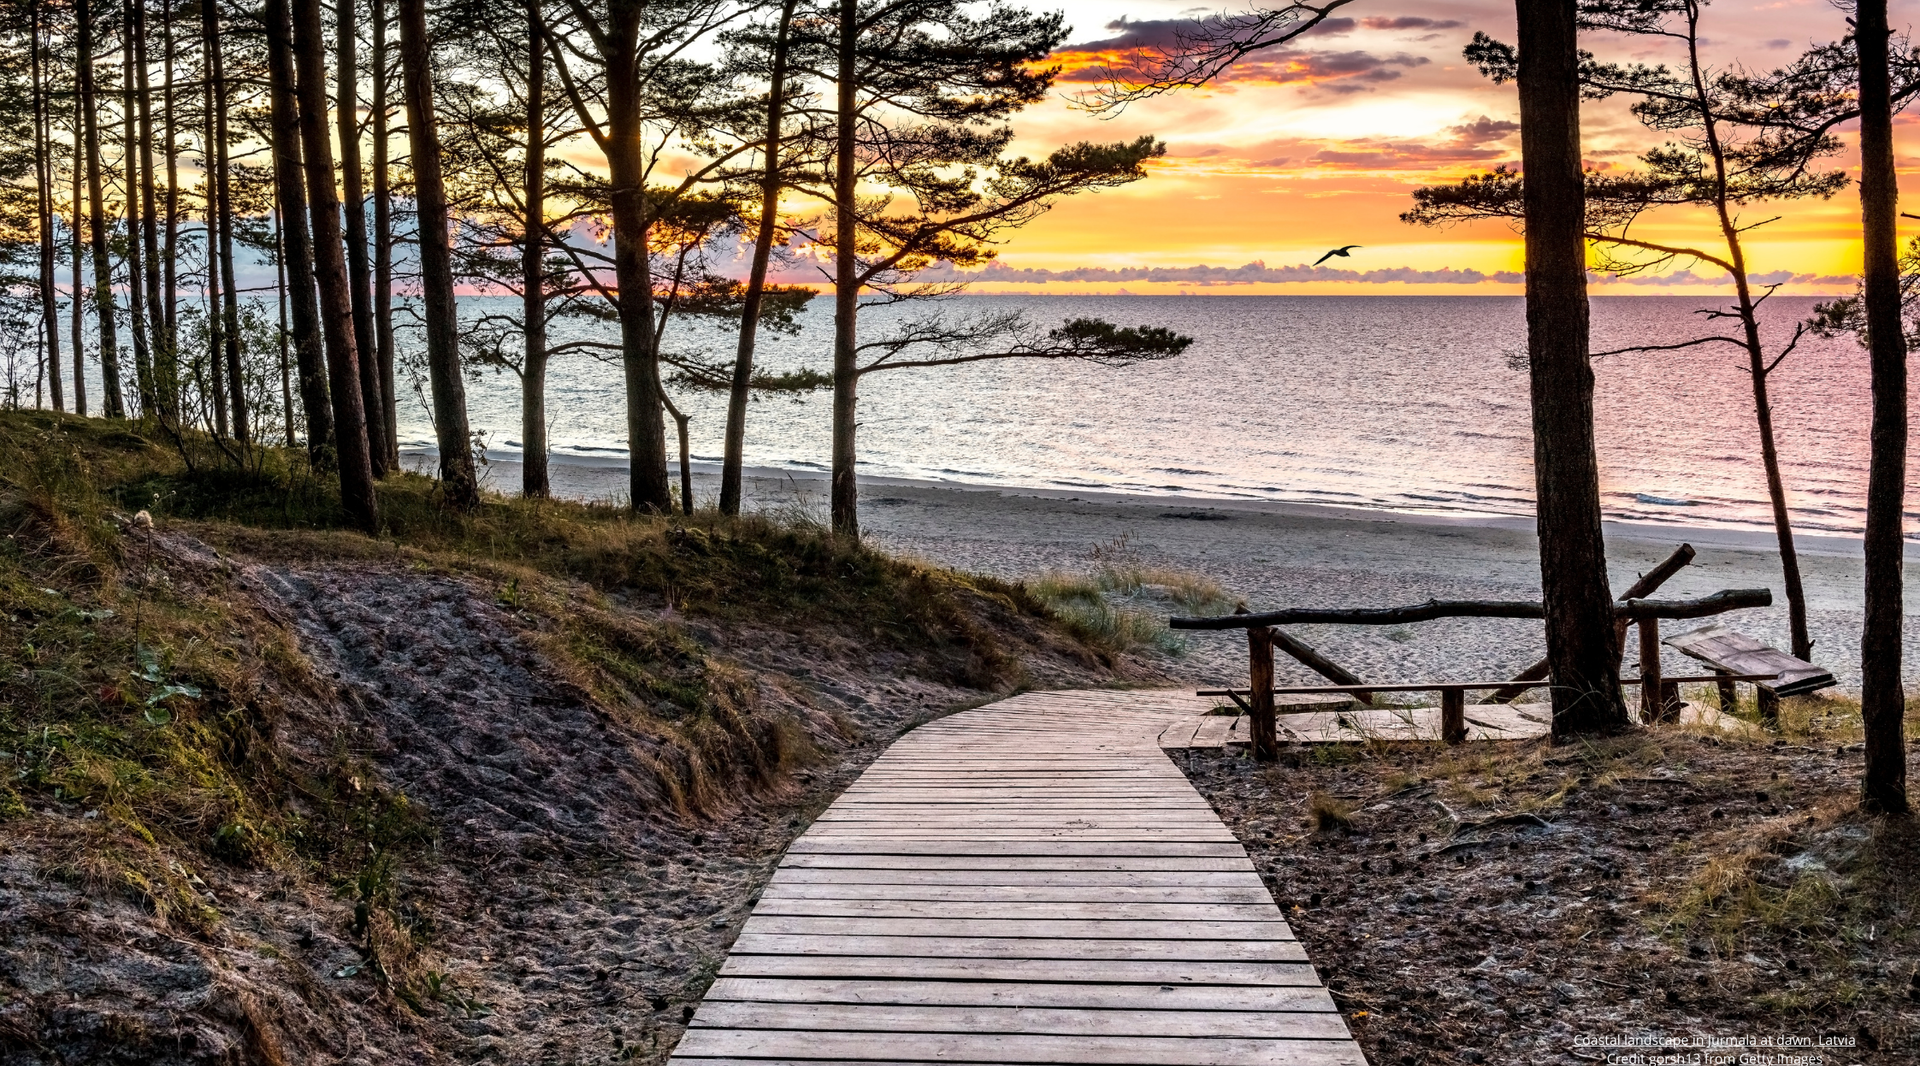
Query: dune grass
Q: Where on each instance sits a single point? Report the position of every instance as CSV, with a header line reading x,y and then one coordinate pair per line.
x,y
1120,603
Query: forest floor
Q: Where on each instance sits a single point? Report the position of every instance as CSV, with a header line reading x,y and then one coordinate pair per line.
x,y
489,787
1520,903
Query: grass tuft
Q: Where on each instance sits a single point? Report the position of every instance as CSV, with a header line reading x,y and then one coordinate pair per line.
x,y
1328,814
1120,603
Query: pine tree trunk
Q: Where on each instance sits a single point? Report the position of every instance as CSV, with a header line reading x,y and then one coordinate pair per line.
x,y
383,241
347,111
79,266
1883,785
215,217
290,189
168,368
533,297
846,287
157,343
436,262
1582,649
130,161
280,290
733,458
330,270
648,485
230,290
43,203
1800,636
112,403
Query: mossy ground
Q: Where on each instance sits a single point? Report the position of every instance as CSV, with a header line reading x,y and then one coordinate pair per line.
x,y
1685,880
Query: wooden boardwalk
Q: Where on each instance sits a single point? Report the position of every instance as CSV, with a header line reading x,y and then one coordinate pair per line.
x,y
1028,882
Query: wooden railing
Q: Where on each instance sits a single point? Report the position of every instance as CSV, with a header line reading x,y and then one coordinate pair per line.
x,y
1453,698
1263,635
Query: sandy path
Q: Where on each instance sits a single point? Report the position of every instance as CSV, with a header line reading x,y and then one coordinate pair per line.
x,y
1277,555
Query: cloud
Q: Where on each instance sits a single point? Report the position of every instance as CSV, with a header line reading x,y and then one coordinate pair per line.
x,y
1256,272
1718,280
1135,42
1480,140
1341,27
1411,23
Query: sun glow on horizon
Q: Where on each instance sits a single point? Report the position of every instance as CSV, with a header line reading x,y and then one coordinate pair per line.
x,y
1321,143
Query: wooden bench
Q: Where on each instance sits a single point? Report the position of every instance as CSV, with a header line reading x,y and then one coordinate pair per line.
x,y
1730,652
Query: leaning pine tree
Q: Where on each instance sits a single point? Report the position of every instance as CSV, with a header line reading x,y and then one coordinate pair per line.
x,y
918,89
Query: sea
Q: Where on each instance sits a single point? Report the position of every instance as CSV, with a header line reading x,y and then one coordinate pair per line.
x,y
1395,403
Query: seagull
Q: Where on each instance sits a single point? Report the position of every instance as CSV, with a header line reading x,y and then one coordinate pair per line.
x,y
1341,252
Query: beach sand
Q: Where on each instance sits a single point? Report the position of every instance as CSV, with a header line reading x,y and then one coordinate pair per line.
x,y
1277,555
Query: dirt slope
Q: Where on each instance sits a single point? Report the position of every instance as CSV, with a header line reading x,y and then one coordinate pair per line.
x,y
546,876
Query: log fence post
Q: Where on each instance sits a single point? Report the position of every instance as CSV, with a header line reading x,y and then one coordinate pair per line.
x,y
1453,715
1650,688
1260,709
1729,695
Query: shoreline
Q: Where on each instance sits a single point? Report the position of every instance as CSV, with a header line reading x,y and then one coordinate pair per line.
x,y
1274,554
588,479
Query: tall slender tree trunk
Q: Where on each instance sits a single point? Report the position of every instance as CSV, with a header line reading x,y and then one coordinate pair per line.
x,y
1801,637
648,484
215,217
347,107
846,283
436,261
149,217
1582,650
79,243
43,203
533,297
383,240
330,270
134,181
296,243
733,456
280,290
112,403
223,179
1883,785
168,351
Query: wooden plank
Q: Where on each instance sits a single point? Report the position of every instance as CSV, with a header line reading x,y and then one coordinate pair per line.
x,y
898,893
884,875
1068,863
919,837
1212,732
833,844
1185,930
1083,995
1174,972
766,1047
1180,734
1014,947
1023,910
920,1019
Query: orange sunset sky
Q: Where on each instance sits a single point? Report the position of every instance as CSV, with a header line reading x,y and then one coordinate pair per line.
x,y
1319,143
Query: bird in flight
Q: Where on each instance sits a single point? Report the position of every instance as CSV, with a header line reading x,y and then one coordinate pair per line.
x,y
1341,252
